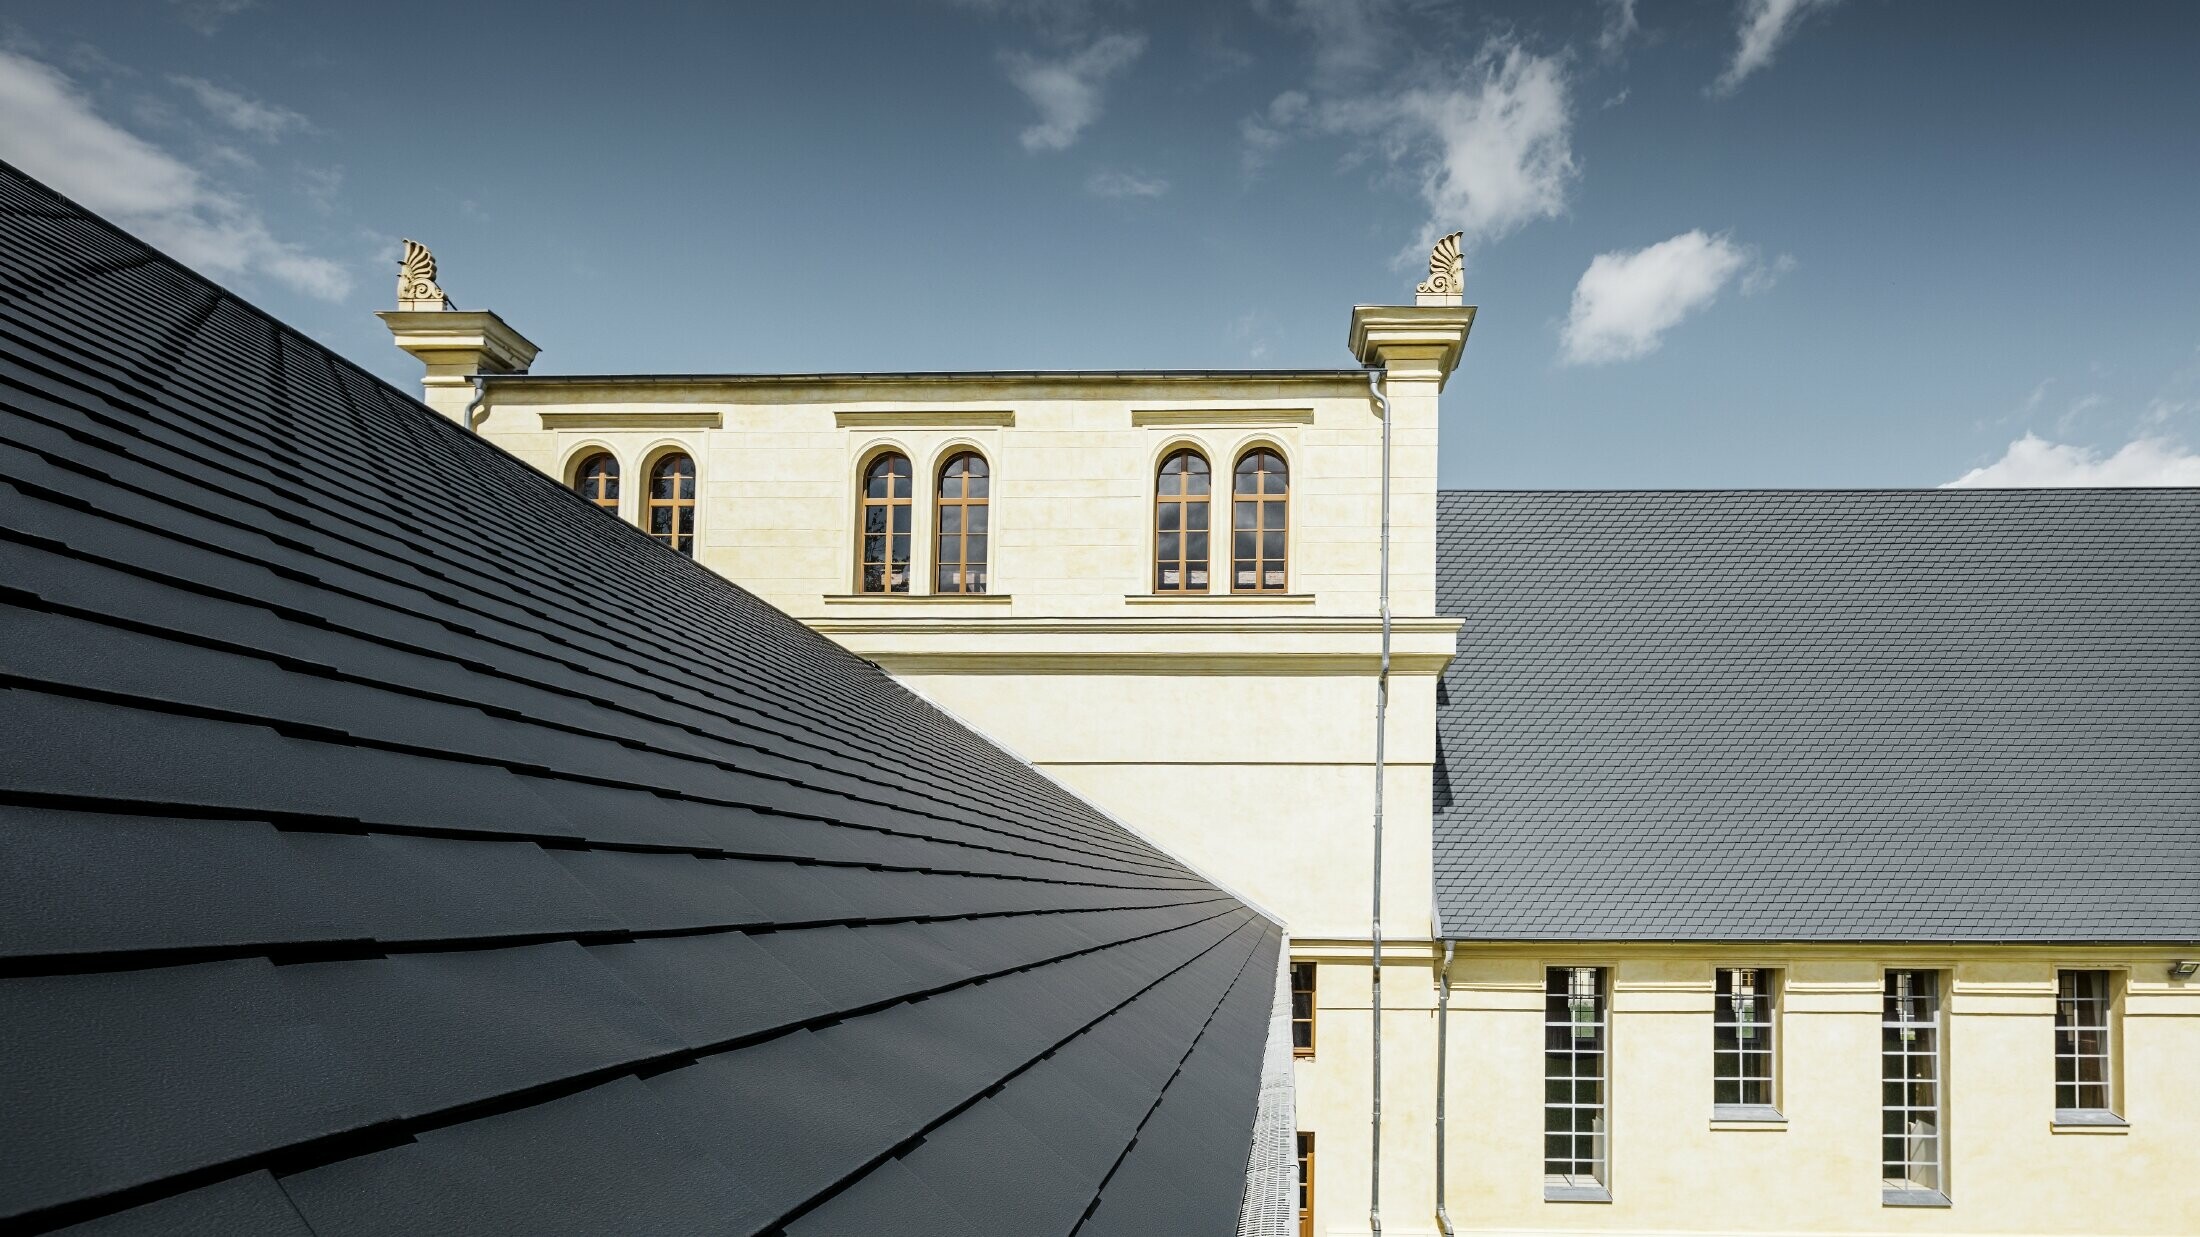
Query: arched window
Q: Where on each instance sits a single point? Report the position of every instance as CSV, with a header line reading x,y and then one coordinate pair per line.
x,y
1180,523
597,479
962,524
1259,529
672,502
883,543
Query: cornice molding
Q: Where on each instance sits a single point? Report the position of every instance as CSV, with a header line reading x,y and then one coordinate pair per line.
x,y
1129,625
1218,418
925,418
1162,662
632,420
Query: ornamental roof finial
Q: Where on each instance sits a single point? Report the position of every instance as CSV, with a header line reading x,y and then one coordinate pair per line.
x,y
1447,275
416,286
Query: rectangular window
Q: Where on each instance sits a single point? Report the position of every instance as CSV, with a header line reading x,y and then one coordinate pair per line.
x,y
1912,1142
1574,1083
1742,1046
2084,1078
1302,1009
1306,1185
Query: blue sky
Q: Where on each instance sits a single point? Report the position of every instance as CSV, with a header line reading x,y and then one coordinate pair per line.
x,y
1728,242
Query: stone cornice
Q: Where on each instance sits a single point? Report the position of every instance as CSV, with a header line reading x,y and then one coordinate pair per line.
x,y
643,420
931,638
449,334
926,418
1412,340
1219,418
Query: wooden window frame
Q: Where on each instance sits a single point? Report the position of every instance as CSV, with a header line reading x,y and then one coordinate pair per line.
x,y
1306,1183
1307,1020
1262,501
2070,1021
1577,1050
866,503
609,502
678,505
1745,1043
963,506
1906,1040
1184,501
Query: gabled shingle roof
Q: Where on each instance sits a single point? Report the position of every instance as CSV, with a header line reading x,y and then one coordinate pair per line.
x,y
1912,715
394,843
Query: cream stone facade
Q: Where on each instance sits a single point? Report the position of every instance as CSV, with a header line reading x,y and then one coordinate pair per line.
x,y
1238,732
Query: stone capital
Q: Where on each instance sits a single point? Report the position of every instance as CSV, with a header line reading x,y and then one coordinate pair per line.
x,y
454,345
1412,342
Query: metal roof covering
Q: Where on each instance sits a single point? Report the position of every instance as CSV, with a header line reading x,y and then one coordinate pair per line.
x,y
395,843
1940,715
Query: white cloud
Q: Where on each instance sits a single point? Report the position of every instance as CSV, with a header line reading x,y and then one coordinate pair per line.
x,y
1266,132
1626,302
2032,461
1350,38
1067,89
1620,25
1493,144
50,130
207,16
1118,184
1761,276
1765,25
265,121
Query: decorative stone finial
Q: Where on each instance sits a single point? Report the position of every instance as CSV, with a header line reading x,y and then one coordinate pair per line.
x,y
1447,275
416,286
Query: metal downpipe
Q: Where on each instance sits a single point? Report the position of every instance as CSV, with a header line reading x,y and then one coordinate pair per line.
x,y
1443,1026
1375,378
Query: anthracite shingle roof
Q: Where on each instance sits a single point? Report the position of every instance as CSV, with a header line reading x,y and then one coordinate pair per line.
x,y
394,843
1870,716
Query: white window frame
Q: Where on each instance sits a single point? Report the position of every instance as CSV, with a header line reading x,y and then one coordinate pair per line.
x,y
2068,1003
1577,1037
1756,1033
1913,1050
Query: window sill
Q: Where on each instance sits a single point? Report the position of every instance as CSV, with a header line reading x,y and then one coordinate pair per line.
x,y
1913,1198
1239,599
2088,1121
1747,1117
1576,1194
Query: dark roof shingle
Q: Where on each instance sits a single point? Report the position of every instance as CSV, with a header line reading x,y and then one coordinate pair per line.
x,y
1856,715
395,843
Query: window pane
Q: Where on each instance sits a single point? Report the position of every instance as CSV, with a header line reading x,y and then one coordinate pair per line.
x,y
1169,515
1195,515
901,518
951,519
977,519
1573,1072
1910,1048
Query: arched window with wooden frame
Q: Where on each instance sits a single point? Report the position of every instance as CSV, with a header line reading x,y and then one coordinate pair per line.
x,y
1260,523
671,511
882,537
597,480
1180,529
962,524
